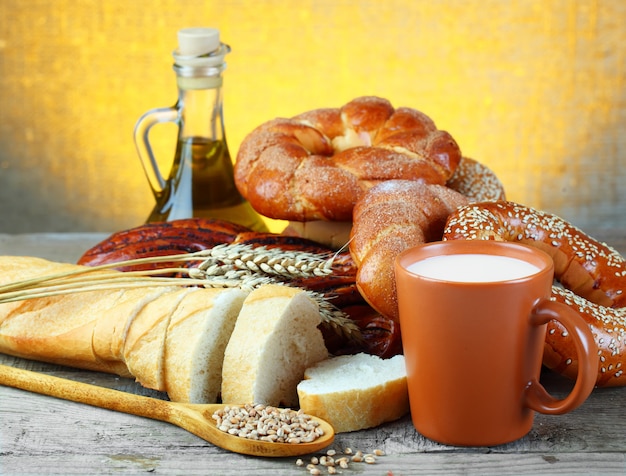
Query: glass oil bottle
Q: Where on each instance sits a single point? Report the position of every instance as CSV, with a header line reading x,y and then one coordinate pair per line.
x,y
201,179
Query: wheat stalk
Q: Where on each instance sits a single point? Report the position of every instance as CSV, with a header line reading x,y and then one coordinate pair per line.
x,y
272,261
214,261
223,266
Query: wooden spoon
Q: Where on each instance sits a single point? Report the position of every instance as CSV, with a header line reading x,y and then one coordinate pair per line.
x,y
195,418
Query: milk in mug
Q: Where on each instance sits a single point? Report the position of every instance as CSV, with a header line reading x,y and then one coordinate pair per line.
x,y
473,268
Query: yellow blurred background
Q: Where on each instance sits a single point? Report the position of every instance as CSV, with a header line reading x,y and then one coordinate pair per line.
x,y
535,89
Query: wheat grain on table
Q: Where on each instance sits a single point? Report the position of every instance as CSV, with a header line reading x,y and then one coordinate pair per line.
x,y
44,435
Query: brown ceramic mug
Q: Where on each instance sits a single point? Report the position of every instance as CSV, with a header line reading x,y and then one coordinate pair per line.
x,y
473,335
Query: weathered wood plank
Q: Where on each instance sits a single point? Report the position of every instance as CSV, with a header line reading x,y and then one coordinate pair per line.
x,y
196,462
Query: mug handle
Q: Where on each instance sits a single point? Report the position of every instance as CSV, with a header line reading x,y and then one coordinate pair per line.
x,y
536,396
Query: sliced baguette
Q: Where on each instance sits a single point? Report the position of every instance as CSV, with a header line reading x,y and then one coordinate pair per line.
x,y
197,335
135,332
276,337
56,329
353,392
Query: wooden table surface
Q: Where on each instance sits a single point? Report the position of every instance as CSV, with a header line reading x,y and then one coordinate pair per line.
x,y
44,435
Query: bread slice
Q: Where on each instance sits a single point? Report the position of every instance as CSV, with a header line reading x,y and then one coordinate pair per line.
x,y
111,330
275,339
197,335
144,344
353,392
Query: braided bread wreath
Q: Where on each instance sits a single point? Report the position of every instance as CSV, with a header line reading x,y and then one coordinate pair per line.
x,y
316,165
593,276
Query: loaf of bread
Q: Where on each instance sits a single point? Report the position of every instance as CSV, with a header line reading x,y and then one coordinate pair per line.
x,y
353,392
276,337
67,330
170,339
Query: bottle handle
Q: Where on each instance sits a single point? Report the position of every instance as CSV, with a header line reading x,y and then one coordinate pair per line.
x,y
537,397
142,142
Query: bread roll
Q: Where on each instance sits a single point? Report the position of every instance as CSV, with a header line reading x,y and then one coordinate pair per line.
x,y
276,337
390,218
353,392
592,273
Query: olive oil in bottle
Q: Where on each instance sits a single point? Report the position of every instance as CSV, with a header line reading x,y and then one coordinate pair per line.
x,y
201,179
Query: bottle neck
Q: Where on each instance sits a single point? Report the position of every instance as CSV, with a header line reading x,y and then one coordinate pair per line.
x,y
201,72
200,113
199,80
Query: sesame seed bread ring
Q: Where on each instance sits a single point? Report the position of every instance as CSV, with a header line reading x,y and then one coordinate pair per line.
x,y
593,273
315,166
476,181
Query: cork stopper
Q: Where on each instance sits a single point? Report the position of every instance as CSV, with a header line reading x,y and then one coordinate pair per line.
x,y
194,42
199,48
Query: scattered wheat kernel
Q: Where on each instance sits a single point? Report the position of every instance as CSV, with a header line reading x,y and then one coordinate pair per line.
x,y
370,459
332,470
357,458
310,466
299,462
379,452
347,451
331,452
315,460
315,471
